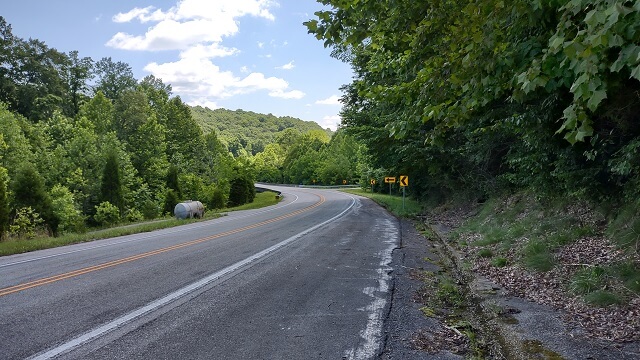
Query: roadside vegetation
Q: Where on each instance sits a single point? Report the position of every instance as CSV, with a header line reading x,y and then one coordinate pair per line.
x,y
42,240
393,203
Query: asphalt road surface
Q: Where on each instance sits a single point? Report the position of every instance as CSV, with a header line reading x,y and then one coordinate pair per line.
x,y
308,278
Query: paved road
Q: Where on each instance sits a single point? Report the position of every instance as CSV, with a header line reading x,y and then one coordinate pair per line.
x,y
307,278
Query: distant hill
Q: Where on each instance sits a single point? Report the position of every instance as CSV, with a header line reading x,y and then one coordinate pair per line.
x,y
247,130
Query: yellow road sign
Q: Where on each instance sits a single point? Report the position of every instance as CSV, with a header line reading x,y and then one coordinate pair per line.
x,y
389,180
373,181
404,180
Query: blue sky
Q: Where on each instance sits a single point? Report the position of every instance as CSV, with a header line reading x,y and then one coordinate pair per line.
x,y
253,55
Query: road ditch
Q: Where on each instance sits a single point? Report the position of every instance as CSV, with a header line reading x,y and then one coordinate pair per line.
x,y
441,309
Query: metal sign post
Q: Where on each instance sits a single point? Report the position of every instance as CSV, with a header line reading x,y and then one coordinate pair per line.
x,y
404,182
390,180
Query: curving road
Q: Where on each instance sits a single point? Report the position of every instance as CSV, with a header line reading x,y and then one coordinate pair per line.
x,y
307,278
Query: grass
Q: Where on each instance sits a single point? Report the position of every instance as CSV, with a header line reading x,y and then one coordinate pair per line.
x,y
602,298
39,243
587,280
392,203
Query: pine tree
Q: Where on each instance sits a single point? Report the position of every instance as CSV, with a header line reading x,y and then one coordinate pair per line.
x,y
111,189
29,190
172,181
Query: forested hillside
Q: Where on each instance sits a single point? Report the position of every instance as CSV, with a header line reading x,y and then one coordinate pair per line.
x,y
246,132
84,143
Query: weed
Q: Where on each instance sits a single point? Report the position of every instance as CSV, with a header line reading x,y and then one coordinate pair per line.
x,y
537,256
629,274
587,280
499,262
485,253
602,298
449,294
625,227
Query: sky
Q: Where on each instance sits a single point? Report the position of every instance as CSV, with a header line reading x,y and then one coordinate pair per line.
x,y
253,55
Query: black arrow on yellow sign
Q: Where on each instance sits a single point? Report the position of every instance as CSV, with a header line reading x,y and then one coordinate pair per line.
x,y
404,180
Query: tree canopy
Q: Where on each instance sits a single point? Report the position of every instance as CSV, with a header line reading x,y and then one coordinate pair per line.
x,y
490,94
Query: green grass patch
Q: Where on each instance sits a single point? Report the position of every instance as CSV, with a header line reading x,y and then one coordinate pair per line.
x,y
602,298
485,253
500,262
625,227
587,280
11,247
629,275
536,256
392,203
263,199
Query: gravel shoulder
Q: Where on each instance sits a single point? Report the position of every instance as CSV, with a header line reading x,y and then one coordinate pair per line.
x,y
506,324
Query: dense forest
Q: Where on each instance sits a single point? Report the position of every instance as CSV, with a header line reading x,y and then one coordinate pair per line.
x,y
83,143
477,97
246,132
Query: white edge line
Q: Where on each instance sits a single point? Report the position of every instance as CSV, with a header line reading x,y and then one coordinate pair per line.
x,y
140,238
112,325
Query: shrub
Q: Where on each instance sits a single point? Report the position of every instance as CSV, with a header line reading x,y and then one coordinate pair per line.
x,y
25,223
64,207
218,199
242,191
170,202
134,215
107,214
587,280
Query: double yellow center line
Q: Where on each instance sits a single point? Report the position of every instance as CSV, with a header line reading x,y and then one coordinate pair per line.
x,y
90,269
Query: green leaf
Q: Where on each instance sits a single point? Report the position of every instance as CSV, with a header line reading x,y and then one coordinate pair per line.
x,y
636,72
596,99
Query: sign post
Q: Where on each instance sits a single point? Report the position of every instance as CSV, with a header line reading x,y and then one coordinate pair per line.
x,y
389,180
404,182
373,182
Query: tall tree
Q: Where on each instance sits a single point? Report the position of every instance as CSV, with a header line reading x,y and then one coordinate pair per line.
x,y
77,74
113,78
29,191
111,186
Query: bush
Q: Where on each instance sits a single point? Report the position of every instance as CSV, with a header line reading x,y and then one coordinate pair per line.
x,y
64,207
25,223
242,192
150,209
134,215
107,214
170,202
218,199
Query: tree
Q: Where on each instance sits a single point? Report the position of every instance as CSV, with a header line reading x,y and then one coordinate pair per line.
x,y
4,202
76,75
29,191
170,201
113,78
173,183
99,111
111,188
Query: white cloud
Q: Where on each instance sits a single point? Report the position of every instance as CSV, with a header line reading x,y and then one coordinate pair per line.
x,y
332,100
196,77
330,122
288,66
260,45
208,51
189,22
197,28
204,102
